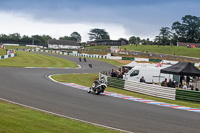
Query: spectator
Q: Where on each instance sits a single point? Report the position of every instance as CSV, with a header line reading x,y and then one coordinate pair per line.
x,y
184,86
188,80
171,83
142,79
119,68
181,79
113,73
120,75
164,83
125,77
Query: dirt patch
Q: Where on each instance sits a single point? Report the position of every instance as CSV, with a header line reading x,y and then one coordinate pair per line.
x,y
124,61
146,62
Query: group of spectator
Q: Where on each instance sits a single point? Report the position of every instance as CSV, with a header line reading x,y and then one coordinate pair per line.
x,y
189,82
168,84
184,83
118,74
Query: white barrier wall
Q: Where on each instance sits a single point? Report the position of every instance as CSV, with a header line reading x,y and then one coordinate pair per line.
x,y
8,44
169,62
142,59
151,89
113,57
7,56
147,89
36,46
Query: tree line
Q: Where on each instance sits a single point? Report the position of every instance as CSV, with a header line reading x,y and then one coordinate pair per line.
x,y
35,39
188,30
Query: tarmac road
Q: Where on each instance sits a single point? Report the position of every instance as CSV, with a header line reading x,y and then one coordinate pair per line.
x,y
32,87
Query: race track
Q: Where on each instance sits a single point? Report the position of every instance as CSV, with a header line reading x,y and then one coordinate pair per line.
x,y
31,87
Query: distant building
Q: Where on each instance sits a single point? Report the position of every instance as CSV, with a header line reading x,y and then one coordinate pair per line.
x,y
63,44
186,44
108,42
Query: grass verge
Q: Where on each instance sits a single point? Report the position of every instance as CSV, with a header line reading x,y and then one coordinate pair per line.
x,y
2,51
87,80
28,59
113,62
180,51
17,119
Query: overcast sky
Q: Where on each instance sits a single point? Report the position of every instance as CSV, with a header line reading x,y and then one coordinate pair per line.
x,y
120,18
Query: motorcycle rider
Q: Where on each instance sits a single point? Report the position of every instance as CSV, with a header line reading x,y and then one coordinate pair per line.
x,y
84,59
90,65
96,83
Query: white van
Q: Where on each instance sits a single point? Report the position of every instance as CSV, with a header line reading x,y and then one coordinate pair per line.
x,y
151,74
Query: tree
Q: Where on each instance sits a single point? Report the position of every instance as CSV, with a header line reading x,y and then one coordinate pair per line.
x,y
157,40
15,36
66,38
138,40
98,34
132,40
165,35
187,31
76,36
38,39
4,37
26,39
46,38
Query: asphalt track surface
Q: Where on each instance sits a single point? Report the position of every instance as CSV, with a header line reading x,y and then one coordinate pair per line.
x,y
31,87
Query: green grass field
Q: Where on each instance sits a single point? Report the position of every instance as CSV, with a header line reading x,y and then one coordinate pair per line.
x,y
17,119
2,51
87,80
113,62
181,51
28,59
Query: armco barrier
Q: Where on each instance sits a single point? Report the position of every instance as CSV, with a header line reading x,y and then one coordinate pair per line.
x,y
151,89
188,95
155,60
114,82
128,58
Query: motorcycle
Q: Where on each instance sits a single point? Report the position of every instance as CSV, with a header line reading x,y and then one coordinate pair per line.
x,y
98,87
84,59
90,65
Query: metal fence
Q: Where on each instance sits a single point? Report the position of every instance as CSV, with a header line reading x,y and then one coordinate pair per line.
x,y
188,95
117,83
